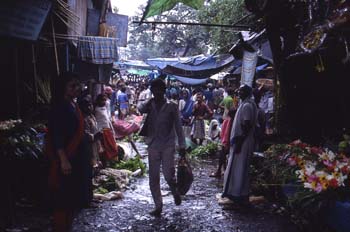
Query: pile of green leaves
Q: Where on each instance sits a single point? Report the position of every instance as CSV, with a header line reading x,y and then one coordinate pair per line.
x,y
132,164
204,151
106,185
101,190
272,172
137,137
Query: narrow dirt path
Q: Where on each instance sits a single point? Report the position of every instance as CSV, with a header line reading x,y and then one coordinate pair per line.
x,y
198,212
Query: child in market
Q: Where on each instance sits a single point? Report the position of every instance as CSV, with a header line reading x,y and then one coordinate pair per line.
x,y
225,143
200,112
105,126
214,131
91,130
93,137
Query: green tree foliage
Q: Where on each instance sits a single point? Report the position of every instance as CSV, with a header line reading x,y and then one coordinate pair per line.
x,y
222,12
170,40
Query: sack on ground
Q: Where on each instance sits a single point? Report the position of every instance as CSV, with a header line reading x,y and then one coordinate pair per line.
x,y
184,176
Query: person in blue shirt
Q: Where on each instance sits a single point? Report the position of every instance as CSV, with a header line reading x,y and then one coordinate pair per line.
x,y
123,102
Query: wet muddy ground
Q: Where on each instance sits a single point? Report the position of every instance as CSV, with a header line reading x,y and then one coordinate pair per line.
x,y
199,211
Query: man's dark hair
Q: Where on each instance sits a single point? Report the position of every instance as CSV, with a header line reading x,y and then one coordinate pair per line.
x,y
100,97
230,91
158,83
232,113
246,89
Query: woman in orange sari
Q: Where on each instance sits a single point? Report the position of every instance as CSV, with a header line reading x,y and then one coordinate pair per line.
x,y
70,165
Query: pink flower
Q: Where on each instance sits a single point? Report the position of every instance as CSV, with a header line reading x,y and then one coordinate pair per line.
x,y
296,142
292,161
318,188
312,178
328,163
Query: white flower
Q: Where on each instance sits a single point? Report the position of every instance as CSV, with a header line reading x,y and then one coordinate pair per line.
x,y
310,167
300,173
330,155
341,178
307,185
320,173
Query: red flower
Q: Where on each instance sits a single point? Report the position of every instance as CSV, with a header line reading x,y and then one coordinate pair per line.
x,y
316,150
344,169
302,145
330,168
333,183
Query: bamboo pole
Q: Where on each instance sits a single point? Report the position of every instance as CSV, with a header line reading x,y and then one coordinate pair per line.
x,y
55,46
18,92
35,75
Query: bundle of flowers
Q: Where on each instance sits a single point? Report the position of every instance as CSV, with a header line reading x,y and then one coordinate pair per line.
x,y
316,178
318,168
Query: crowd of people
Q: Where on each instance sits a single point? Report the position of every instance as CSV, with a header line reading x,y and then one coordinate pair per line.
x,y
239,119
83,133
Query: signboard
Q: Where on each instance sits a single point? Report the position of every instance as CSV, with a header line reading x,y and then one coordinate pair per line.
x,y
248,68
23,18
117,26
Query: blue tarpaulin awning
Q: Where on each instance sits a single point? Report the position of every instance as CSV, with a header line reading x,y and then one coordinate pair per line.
x,y
196,67
189,81
137,64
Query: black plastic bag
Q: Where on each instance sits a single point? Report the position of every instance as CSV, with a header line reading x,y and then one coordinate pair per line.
x,y
184,176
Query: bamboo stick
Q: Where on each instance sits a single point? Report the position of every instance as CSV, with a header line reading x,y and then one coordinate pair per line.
x,y
55,46
18,92
35,75
66,23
